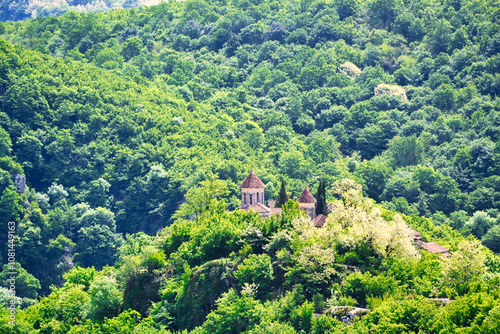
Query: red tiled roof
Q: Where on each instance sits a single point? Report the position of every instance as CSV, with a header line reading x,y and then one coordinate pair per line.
x,y
276,211
306,197
434,248
319,221
415,233
257,207
252,181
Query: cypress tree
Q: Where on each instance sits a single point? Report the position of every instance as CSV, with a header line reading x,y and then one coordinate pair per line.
x,y
321,208
325,203
282,196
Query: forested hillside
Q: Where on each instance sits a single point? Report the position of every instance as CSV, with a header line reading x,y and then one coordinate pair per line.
x,y
115,118
223,272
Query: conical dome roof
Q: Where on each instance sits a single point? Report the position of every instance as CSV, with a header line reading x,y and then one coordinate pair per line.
x,y
306,197
252,181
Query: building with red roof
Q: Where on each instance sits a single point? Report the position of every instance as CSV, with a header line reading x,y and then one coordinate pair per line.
x,y
252,191
307,202
435,248
252,197
319,221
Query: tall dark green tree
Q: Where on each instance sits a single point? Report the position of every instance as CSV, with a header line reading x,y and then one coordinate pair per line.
x,y
321,208
282,196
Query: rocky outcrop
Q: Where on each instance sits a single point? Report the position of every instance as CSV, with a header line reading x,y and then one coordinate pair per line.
x,y
20,182
347,314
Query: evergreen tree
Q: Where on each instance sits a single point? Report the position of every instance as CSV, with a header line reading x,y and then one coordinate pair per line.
x,y
321,207
282,196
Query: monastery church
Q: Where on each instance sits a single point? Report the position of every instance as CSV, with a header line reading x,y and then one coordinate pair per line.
x,y
252,197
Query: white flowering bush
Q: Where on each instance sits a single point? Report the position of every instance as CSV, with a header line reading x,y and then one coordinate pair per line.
x,y
350,69
384,89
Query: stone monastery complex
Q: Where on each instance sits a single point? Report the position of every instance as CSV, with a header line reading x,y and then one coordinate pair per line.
x,y
252,198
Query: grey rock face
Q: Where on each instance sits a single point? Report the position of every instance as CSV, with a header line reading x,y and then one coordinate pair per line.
x,y
19,182
347,314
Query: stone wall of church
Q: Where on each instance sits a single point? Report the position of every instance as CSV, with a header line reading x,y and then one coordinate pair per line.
x,y
251,196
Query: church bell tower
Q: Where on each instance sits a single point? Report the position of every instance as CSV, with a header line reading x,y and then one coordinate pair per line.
x,y
252,191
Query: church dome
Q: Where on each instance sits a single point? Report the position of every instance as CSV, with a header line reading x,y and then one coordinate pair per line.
x,y
252,181
306,197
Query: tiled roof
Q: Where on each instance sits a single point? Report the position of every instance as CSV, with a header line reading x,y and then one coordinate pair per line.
x,y
319,221
414,233
276,211
306,197
434,248
252,181
257,207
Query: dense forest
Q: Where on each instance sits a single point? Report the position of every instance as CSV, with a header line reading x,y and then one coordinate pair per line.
x,y
135,127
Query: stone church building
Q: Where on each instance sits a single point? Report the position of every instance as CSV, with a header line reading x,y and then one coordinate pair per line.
x,y
252,197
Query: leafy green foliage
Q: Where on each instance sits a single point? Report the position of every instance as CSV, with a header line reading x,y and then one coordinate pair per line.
x,y
105,300
256,269
26,285
491,239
